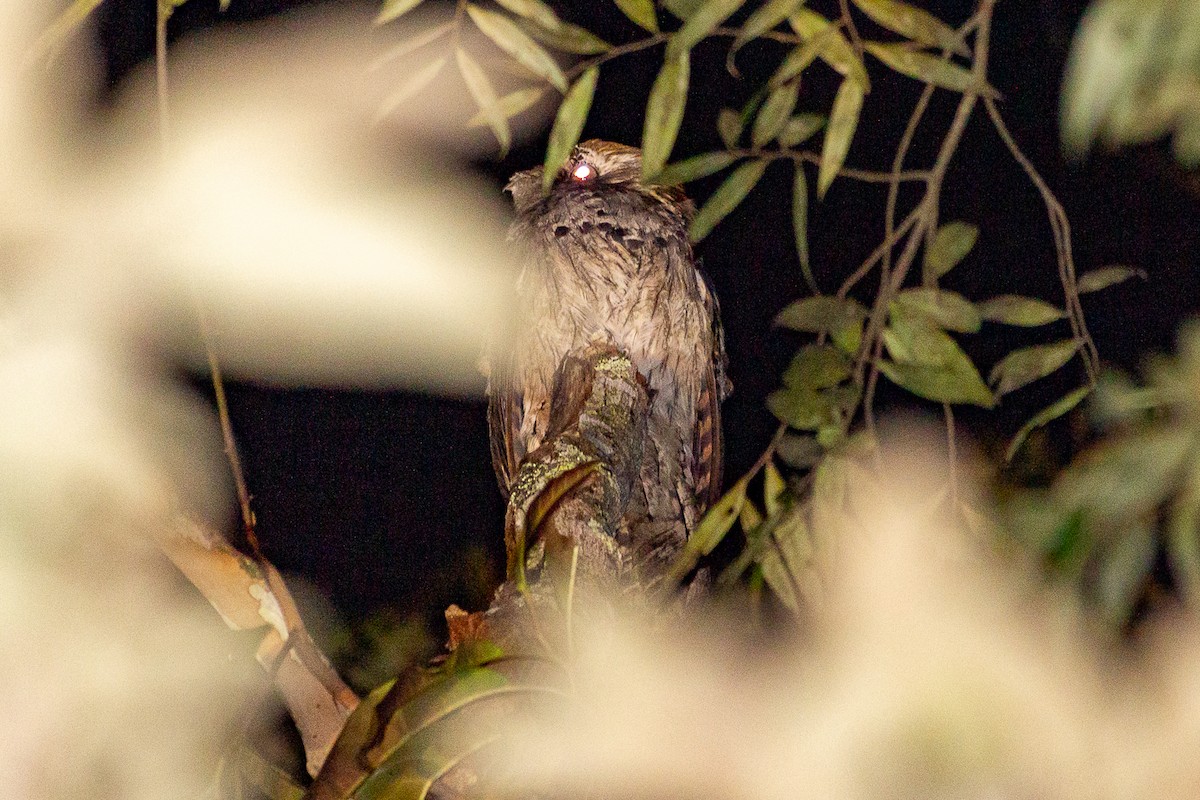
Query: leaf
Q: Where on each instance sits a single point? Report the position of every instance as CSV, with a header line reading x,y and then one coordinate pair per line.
x,y
800,225
409,45
485,96
1122,571
726,198
800,452
682,8
774,114
700,24
1045,416
535,11
949,310
1104,277
950,245
664,114
843,120
711,530
640,12
913,23
418,81
1183,540
764,18
394,8
833,48
729,127
773,488
512,40
799,128
567,37
817,366
1012,309
695,167
940,383
1024,366
929,68
65,24
803,408
342,772
511,104
821,314
749,517
785,558
568,124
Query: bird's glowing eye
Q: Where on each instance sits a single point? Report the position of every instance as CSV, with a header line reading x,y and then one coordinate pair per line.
x,y
583,172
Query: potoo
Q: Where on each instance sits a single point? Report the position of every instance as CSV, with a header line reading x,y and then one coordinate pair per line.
x,y
610,261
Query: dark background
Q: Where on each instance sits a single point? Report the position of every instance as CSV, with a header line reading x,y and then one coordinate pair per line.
x,y
388,499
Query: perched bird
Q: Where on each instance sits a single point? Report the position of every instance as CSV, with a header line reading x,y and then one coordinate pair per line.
x,y
609,260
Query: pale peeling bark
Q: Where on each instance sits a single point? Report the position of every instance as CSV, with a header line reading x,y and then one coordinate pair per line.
x,y
248,595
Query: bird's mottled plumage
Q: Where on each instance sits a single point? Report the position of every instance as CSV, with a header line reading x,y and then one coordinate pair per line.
x,y
610,260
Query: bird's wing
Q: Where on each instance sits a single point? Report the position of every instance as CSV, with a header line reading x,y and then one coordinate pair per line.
x,y
714,388
505,403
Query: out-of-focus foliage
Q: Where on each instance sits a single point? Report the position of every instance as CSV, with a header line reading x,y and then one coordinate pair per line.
x,y
1134,76
1134,493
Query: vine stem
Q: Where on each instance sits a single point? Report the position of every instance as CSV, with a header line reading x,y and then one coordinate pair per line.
x,y
162,87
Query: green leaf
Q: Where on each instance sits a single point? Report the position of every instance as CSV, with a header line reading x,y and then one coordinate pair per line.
x,y
729,127
821,314
533,10
773,488
817,366
764,18
1012,309
343,772
1046,416
800,224
567,37
843,120
800,452
683,9
928,68
774,114
568,124
711,530
416,82
1183,540
1024,366
914,23
749,517
1104,277
512,40
834,50
65,24
511,104
394,8
786,562
799,128
695,167
950,245
485,96
409,45
803,408
1123,568
664,114
947,309
707,16
640,12
941,384
726,198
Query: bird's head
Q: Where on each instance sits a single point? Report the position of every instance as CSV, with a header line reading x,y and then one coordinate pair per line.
x,y
593,166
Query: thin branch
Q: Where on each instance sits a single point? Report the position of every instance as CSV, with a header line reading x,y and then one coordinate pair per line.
x,y
1061,227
